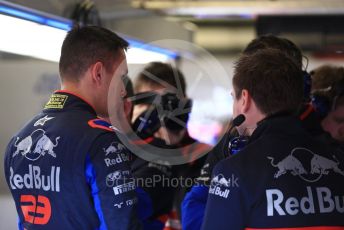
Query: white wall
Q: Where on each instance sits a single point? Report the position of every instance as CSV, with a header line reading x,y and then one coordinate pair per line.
x,y
24,87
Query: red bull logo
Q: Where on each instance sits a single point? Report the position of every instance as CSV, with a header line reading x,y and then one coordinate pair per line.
x,y
319,166
219,185
34,179
36,145
318,200
114,148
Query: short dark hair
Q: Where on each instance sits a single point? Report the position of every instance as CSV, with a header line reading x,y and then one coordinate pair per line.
x,y
158,71
270,41
272,79
84,46
325,76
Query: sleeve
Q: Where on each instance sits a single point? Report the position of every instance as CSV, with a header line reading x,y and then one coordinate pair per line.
x,y
152,179
213,157
145,206
194,203
112,185
193,207
226,205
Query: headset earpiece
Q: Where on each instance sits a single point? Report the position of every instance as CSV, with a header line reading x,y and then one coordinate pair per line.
x,y
321,104
307,85
147,123
237,144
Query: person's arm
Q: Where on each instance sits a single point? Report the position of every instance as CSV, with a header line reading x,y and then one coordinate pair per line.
x,y
226,204
194,203
193,207
112,186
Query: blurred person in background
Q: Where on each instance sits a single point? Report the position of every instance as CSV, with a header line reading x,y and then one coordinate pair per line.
x,y
327,99
333,123
168,82
324,76
155,199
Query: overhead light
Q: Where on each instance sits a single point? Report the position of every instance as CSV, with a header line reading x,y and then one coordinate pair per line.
x,y
248,8
39,35
30,39
141,53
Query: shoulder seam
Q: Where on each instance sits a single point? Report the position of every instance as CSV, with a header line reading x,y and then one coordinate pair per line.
x,y
92,123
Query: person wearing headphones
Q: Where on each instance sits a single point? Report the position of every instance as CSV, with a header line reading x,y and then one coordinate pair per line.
x,y
193,206
168,83
154,199
328,99
284,178
333,123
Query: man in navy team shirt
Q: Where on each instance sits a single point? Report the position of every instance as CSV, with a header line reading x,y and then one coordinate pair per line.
x,y
283,178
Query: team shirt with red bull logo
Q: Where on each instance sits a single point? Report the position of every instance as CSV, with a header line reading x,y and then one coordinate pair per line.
x,y
283,179
66,169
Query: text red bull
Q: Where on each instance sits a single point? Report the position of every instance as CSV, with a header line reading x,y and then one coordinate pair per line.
x,y
35,180
317,200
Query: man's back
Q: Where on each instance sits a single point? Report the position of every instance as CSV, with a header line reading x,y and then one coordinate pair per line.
x,y
67,169
282,179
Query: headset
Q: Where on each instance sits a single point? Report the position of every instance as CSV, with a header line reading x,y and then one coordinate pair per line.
x,y
235,144
307,86
326,100
321,104
166,110
307,79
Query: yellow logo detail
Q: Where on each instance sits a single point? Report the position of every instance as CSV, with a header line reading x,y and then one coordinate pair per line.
x,y
56,101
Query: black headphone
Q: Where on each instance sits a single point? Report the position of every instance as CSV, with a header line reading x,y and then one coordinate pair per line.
x,y
307,86
307,79
166,110
326,101
234,144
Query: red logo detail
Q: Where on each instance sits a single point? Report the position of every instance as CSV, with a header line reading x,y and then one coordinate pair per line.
x,y
35,211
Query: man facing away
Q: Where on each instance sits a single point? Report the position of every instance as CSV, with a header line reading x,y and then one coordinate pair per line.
x,y
283,178
66,168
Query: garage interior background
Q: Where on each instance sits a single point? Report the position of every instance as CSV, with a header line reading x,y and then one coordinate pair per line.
x,y
223,28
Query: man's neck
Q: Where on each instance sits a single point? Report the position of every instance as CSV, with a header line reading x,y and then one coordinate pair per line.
x,y
75,88
253,125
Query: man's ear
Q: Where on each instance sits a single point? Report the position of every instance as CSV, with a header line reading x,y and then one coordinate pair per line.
x,y
128,109
246,101
97,72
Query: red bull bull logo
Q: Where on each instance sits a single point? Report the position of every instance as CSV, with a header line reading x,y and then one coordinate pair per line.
x,y
319,166
219,185
36,145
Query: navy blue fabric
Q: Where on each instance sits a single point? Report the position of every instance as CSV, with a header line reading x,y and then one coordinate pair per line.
x,y
72,175
193,207
283,178
194,203
145,206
